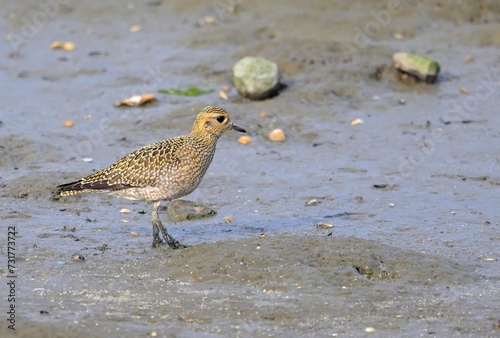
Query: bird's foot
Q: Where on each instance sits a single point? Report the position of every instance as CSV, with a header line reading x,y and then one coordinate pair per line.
x,y
167,239
174,244
157,242
170,241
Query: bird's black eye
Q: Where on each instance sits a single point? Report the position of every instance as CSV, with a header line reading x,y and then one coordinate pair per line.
x,y
220,119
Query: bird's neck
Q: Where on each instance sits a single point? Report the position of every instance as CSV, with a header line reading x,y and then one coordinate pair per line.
x,y
207,140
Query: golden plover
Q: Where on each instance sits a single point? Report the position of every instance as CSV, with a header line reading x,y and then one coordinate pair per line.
x,y
165,170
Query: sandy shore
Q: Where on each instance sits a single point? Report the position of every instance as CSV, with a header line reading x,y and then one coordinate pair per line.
x,y
411,193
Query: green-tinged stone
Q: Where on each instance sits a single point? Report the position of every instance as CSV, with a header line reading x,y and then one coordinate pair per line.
x,y
181,210
191,91
421,67
256,78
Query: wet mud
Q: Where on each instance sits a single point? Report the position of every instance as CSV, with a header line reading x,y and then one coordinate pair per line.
x,y
389,227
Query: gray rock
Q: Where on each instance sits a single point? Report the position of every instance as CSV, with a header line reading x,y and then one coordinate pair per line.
x,y
256,78
421,67
181,210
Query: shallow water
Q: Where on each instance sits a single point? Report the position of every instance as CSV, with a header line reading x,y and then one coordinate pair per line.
x,y
417,258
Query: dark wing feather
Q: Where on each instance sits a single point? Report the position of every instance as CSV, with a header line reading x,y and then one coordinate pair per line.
x,y
98,185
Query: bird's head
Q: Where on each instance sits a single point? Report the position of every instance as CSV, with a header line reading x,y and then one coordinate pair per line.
x,y
213,121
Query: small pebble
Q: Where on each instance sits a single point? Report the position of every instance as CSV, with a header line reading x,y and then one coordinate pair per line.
x,y
420,67
228,219
244,139
77,257
153,334
125,211
277,135
370,329
87,159
69,123
263,114
324,225
262,235
359,199
402,101
256,78
135,233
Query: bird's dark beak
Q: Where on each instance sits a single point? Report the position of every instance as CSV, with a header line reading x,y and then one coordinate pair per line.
x,y
235,127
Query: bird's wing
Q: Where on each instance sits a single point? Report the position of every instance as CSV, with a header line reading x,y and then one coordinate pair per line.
x,y
142,168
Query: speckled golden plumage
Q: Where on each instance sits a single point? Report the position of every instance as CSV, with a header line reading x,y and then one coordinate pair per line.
x,y
164,170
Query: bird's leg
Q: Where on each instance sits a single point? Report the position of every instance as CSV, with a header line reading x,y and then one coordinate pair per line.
x,y
155,220
157,227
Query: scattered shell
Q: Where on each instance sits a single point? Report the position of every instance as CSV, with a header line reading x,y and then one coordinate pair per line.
x,y
124,221
222,95
87,117
135,28
226,88
324,225
68,46
135,233
370,329
125,211
277,135
398,36
311,202
87,159
469,58
56,45
77,257
263,114
153,334
136,100
356,121
490,259
207,20
244,139
228,219
69,123
464,90
262,235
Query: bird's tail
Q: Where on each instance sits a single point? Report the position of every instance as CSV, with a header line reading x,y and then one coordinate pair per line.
x,y
69,189
74,188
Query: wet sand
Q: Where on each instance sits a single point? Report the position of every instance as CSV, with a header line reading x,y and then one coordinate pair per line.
x,y
412,193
